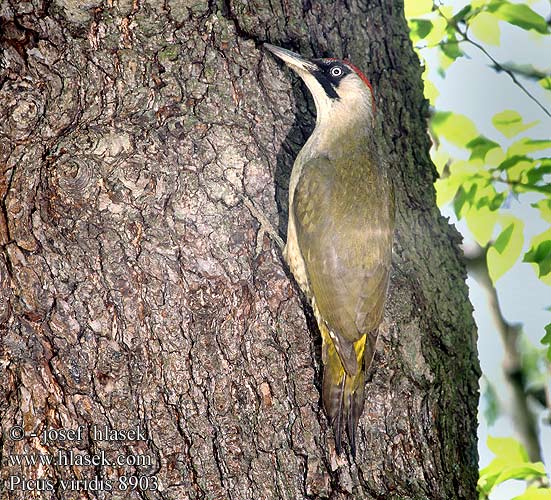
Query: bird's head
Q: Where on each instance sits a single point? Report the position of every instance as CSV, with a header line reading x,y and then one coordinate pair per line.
x,y
340,90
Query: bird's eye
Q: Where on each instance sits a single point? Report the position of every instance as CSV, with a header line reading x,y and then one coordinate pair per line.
x,y
336,71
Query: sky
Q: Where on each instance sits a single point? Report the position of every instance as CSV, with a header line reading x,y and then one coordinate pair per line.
x,y
473,88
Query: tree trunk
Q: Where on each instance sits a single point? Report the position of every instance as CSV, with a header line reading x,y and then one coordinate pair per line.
x,y
145,147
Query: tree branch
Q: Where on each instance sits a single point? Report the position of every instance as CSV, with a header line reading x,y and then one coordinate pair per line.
x,y
500,67
523,417
496,64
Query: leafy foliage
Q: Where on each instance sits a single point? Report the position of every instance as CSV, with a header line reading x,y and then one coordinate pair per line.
x,y
511,462
534,493
519,14
506,249
547,340
481,177
509,123
496,172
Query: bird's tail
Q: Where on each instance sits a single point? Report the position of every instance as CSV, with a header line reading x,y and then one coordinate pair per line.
x,y
343,392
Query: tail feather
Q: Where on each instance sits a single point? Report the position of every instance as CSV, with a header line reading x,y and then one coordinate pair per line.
x,y
356,406
344,394
337,419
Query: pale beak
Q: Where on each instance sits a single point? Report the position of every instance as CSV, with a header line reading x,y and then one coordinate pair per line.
x,y
295,61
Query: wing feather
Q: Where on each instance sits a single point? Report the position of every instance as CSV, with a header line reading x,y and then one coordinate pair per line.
x,y
344,219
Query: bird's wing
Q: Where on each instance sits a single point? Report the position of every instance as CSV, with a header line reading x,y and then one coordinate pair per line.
x,y
344,222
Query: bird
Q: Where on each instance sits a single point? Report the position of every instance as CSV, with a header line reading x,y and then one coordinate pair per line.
x,y
340,231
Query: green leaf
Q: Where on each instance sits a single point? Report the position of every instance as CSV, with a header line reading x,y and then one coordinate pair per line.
x,y
445,11
463,199
463,14
495,156
535,493
497,201
454,127
546,83
492,201
535,243
440,158
519,171
480,207
512,162
526,145
439,26
540,255
480,146
536,175
417,8
419,29
456,174
507,248
503,239
545,189
520,15
507,449
445,190
485,27
544,206
546,340
451,49
481,223
527,70
431,91
509,123
511,462
524,174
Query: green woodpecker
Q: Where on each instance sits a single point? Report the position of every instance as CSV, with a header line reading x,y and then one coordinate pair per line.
x,y
340,230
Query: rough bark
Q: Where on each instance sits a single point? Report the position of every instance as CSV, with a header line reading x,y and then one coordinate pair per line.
x,y
144,145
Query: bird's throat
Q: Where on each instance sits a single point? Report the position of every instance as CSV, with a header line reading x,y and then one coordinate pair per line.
x,y
344,135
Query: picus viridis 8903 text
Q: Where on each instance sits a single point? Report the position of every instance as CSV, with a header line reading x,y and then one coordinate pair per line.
x,y
340,230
